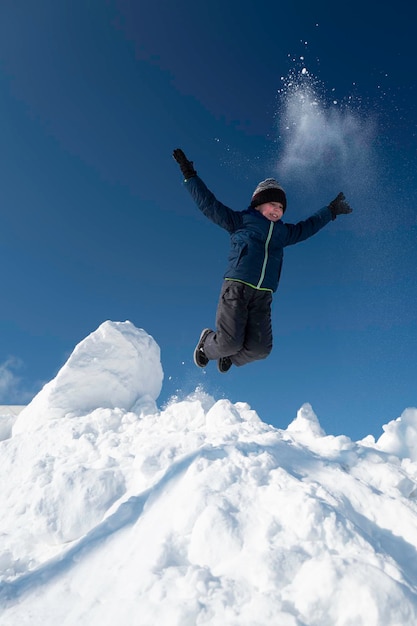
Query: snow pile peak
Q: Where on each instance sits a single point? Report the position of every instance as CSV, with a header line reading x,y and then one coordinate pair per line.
x,y
199,513
116,366
306,423
400,436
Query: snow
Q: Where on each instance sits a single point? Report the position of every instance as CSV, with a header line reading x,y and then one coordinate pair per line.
x,y
113,510
8,413
113,367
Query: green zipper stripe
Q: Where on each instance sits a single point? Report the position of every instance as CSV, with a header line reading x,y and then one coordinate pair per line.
x,y
268,239
237,280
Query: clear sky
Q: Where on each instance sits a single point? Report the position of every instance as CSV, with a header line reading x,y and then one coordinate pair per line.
x,y
96,224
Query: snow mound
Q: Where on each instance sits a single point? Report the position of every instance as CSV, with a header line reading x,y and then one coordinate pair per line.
x,y
306,423
199,513
116,366
400,436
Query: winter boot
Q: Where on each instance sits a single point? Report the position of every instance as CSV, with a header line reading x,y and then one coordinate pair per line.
x,y
200,358
224,364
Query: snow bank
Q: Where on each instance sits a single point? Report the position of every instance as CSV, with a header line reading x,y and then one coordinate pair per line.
x,y
198,514
118,365
8,414
11,410
400,436
306,425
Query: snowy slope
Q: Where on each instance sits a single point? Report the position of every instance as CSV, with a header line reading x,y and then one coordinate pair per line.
x,y
115,511
8,414
7,410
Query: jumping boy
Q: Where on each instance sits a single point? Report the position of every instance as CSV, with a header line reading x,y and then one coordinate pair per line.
x,y
258,238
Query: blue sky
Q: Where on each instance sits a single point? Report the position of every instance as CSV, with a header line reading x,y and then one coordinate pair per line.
x,y
96,224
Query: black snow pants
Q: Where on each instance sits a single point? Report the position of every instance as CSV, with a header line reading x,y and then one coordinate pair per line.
x,y
243,324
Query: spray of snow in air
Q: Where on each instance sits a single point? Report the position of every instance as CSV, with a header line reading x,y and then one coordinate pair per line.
x,y
324,141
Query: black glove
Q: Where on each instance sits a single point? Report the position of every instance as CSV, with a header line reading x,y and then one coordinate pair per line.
x,y
339,206
186,166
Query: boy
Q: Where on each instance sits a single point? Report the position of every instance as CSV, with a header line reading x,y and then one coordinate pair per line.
x,y
258,238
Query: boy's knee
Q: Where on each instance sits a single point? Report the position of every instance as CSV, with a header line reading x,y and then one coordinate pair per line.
x,y
228,345
262,353
259,349
247,355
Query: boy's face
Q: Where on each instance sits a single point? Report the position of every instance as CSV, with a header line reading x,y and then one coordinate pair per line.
x,y
273,211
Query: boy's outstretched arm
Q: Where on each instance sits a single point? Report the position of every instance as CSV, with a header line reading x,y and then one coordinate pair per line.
x,y
206,201
305,229
339,206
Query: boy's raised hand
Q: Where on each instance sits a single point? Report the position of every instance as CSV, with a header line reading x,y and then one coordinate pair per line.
x,y
339,206
186,166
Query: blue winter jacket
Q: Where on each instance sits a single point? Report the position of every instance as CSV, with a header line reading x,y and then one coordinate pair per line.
x,y
257,244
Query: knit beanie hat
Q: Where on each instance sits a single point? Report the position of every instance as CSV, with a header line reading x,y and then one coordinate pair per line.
x,y
268,191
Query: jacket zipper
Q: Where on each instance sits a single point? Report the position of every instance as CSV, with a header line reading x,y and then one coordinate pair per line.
x,y
268,239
